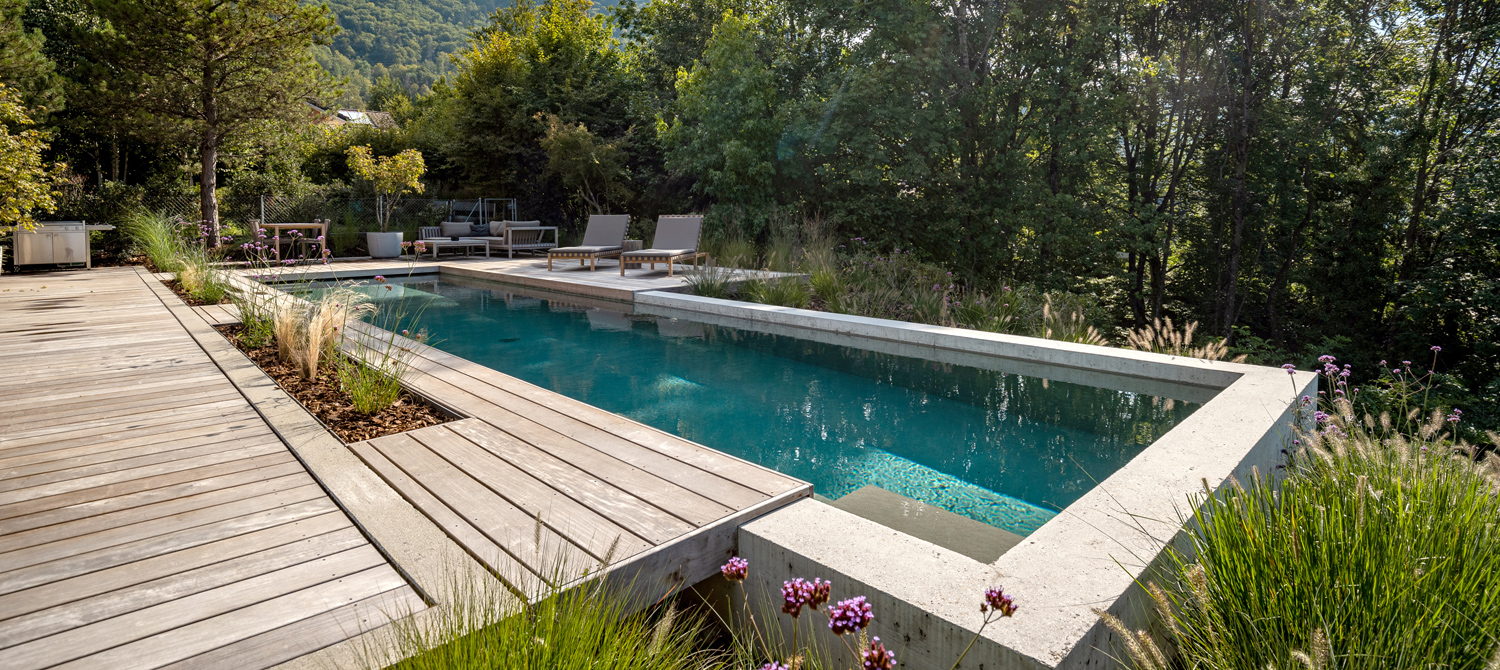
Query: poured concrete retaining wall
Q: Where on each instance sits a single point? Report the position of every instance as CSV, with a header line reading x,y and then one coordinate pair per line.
x,y
1091,555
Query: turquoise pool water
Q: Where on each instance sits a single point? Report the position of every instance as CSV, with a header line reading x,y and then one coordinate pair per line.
x,y
1004,449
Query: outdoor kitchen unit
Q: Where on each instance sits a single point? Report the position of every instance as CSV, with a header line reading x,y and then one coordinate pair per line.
x,y
55,242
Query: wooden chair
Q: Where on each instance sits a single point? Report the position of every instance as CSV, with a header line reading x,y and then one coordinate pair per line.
x,y
676,239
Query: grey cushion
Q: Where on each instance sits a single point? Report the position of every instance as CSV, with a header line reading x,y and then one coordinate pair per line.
x,y
454,228
606,230
677,232
497,228
659,253
585,249
479,229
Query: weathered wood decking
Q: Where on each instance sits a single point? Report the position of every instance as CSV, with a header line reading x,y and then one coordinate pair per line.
x,y
534,477
148,515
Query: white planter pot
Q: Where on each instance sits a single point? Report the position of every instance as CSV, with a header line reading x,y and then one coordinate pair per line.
x,y
384,245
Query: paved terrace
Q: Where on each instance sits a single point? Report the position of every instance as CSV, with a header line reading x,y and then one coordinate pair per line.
x,y
150,516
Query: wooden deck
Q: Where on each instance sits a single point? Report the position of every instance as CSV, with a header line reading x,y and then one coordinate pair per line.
x,y
540,487
149,517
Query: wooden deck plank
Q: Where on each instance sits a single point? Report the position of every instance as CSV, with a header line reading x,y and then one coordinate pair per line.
x,y
166,424
237,625
97,480
102,540
124,426
41,459
483,449
21,422
137,460
180,584
178,613
78,587
283,644
502,564
585,526
15,580
130,500
102,493
512,529
133,515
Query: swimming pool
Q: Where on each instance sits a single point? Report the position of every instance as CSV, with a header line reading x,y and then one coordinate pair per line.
x,y
1004,449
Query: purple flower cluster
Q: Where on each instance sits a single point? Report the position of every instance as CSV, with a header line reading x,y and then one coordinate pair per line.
x,y
850,615
800,593
1456,416
735,570
877,657
995,599
774,666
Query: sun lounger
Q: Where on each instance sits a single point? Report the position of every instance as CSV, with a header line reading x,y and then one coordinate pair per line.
x,y
676,240
604,238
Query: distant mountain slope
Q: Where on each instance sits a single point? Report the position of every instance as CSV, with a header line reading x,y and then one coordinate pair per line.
x,y
408,39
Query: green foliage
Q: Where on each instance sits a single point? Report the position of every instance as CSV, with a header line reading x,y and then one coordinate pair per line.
x,y
1377,551
245,70
784,291
370,389
27,181
549,58
390,176
24,65
711,280
588,626
198,275
585,163
158,237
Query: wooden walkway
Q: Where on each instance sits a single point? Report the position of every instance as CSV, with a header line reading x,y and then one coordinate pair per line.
x,y
541,487
148,516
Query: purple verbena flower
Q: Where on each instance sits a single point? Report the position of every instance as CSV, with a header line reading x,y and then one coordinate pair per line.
x,y
1436,348
1289,368
795,595
877,657
995,599
850,615
380,278
774,666
735,570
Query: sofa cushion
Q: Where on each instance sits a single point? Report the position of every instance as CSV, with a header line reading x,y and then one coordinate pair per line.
x,y
455,228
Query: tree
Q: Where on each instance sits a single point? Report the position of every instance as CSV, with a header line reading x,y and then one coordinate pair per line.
x,y
27,182
219,71
390,176
584,162
24,66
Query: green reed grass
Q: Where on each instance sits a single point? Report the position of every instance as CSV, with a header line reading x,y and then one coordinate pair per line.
x,y
158,238
588,626
1376,551
783,291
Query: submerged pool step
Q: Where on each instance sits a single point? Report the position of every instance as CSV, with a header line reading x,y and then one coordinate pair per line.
x,y
979,541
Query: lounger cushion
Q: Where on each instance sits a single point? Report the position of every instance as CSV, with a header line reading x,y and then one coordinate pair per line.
x,y
592,249
606,230
677,232
659,253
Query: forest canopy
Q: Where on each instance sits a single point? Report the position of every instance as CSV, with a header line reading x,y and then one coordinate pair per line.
x,y
1300,177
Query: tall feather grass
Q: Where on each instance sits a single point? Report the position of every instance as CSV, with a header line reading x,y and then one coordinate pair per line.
x,y
588,626
158,237
307,332
1378,550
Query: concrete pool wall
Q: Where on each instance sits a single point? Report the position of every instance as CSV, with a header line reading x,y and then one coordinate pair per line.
x,y
1095,554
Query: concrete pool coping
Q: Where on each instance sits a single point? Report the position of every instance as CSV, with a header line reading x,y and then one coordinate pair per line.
x,y
1096,553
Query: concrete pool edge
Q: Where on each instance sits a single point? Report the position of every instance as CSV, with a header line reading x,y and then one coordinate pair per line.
x,y
1094,554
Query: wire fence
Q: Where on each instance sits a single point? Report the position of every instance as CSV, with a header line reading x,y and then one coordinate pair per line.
x,y
350,217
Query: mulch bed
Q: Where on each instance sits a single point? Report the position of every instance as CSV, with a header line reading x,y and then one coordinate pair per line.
x,y
327,401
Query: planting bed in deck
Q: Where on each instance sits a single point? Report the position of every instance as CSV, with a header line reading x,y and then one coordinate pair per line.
x,y
176,287
326,399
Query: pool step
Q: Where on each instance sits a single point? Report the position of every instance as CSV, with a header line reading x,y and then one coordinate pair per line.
x,y
979,541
